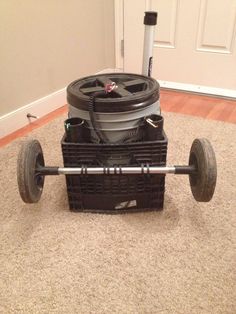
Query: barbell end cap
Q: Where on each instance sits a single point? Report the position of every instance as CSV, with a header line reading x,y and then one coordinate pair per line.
x,y
185,169
47,171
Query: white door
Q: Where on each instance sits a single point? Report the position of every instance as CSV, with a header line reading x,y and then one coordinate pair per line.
x,y
194,46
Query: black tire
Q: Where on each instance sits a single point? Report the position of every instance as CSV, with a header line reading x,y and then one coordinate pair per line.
x,y
30,184
203,182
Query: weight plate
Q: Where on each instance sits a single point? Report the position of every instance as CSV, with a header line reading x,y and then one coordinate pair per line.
x,y
203,182
30,184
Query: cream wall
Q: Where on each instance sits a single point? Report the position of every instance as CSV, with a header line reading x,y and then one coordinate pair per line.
x,y
44,45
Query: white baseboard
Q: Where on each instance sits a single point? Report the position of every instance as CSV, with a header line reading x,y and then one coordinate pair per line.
x,y
217,92
110,70
17,119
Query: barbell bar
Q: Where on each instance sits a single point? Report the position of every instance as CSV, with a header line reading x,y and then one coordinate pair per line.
x,y
145,169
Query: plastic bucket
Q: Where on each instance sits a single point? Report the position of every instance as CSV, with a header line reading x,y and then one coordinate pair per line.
x,y
117,127
119,115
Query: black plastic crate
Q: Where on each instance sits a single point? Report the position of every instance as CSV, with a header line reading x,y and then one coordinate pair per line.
x,y
115,193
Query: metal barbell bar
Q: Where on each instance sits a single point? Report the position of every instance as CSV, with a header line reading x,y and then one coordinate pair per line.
x,y
146,169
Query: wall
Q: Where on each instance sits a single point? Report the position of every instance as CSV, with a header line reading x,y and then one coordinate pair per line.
x,y
47,44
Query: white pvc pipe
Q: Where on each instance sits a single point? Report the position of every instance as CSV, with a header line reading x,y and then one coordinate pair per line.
x,y
150,19
148,49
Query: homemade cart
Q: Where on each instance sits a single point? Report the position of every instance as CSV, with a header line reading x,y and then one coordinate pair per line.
x,y
114,147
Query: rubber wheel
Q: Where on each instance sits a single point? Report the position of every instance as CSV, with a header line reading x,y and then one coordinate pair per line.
x,y
203,182
30,184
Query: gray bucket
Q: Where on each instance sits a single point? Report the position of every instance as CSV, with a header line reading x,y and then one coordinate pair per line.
x,y
121,114
118,126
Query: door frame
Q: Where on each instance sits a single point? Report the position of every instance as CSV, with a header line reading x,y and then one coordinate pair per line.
x,y
119,61
119,34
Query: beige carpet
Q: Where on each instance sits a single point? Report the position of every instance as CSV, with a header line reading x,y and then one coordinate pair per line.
x,y
182,260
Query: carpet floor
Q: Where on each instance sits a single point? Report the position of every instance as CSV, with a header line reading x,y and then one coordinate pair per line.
x,y
180,260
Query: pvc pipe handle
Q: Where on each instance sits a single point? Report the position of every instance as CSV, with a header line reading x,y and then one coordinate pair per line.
x,y
150,20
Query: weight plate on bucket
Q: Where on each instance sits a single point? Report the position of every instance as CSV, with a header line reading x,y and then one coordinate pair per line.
x,y
30,183
133,91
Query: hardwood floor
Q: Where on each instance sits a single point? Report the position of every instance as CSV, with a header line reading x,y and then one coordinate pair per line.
x,y
198,105
172,101
34,125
